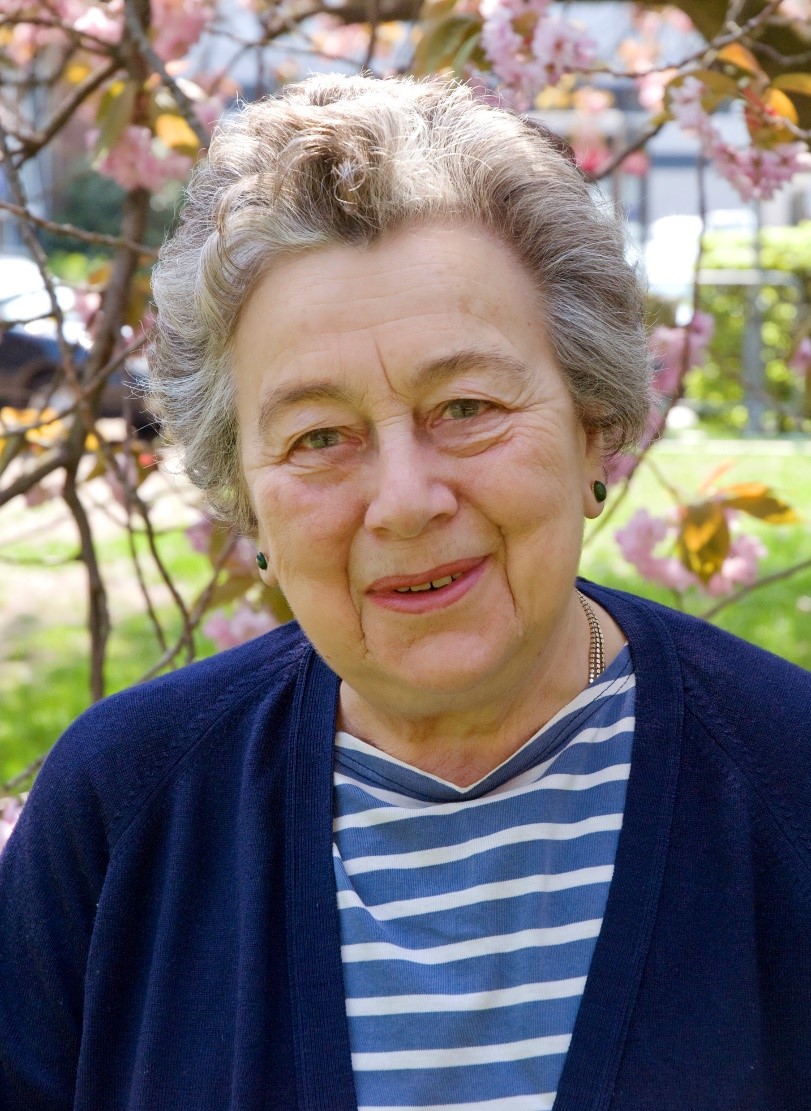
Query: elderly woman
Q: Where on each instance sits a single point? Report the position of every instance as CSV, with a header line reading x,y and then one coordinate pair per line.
x,y
468,835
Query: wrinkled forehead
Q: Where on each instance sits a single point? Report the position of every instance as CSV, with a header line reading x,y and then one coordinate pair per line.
x,y
416,298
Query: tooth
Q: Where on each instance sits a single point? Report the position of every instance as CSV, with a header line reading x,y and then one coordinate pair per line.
x,y
458,575
422,586
437,583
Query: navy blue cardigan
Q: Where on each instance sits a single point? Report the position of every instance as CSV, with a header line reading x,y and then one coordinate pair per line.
x,y
168,923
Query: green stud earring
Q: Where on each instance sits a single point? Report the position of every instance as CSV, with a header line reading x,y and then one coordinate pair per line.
x,y
600,492
262,561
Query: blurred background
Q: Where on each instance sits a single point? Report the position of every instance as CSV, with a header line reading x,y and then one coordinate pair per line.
x,y
691,121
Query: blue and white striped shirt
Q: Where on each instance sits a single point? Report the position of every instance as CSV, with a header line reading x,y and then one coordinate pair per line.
x,y
469,915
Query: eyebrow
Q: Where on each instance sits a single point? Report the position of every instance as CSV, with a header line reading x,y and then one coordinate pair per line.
x,y
426,376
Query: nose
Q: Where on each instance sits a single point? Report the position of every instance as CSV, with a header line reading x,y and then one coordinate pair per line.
x,y
410,492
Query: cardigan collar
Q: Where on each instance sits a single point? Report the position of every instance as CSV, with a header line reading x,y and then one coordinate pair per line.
x,y
323,1060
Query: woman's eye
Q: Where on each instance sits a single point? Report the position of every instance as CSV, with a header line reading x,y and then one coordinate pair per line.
x,y
464,407
319,439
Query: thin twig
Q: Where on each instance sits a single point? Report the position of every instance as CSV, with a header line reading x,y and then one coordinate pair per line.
x,y
66,111
767,580
620,156
70,231
144,48
30,479
12,784
38,255
139,575
195,615
374,20
98,616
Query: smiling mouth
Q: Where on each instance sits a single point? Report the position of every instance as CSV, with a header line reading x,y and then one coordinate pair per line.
x,y
433,584
430,590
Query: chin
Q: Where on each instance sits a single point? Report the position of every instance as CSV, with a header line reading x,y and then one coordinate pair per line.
x,y
446,666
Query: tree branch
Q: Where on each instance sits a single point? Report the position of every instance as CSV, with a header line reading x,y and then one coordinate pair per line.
x,y
144,48
767,580
98,616
65,111
70,231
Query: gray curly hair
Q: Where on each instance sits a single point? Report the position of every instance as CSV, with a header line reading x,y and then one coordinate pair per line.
x,y
348,160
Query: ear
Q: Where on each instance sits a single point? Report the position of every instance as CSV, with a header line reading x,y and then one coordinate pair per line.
x,y
593,471
262,547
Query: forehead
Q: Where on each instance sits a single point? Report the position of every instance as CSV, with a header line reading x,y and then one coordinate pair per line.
x,y
421,296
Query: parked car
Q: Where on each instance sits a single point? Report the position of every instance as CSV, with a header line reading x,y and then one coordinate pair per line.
x,y
30,355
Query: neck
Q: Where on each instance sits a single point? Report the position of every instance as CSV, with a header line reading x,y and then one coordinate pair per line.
x,y
465,741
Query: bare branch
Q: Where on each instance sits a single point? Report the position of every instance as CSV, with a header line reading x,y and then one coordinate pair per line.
x,y
144,48
194,618
66,110
98,616
16,781
767,580
70,231
27,481
374,20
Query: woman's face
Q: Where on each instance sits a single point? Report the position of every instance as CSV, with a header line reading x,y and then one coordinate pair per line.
x,y
403,422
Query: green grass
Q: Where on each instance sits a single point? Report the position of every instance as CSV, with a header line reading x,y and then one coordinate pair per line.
x,y
776,617
44,670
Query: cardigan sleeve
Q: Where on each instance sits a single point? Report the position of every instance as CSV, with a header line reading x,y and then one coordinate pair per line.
x,y
51,874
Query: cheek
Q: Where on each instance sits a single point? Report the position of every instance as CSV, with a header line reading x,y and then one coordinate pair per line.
x,y
305,526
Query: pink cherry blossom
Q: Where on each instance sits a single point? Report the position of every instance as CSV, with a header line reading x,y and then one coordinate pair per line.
x,y
199,535
637,541
527,62
757,173
102,23
800,359
689,112
244,624
667,347
10,810
651,88
139,161
740,567
641,535
636,164
177,25
560,47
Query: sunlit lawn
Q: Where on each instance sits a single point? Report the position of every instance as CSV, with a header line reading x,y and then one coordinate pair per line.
x,y
43,665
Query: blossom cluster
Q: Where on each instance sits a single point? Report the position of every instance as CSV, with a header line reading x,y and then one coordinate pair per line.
x,y
648,541
175,25
530,48
674,352
245,623
140,161
10,809
757,173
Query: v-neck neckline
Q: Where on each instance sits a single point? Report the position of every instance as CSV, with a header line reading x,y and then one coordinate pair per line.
x,y
323,1059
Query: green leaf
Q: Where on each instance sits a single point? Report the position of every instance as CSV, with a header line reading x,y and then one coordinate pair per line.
x,y
468,48
793,83
441,42
114,113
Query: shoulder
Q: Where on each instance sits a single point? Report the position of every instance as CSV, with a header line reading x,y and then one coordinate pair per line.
x,y
752,708
123,748
735,674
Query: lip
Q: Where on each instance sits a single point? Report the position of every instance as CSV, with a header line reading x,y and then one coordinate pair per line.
x,y
397,582
384,592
